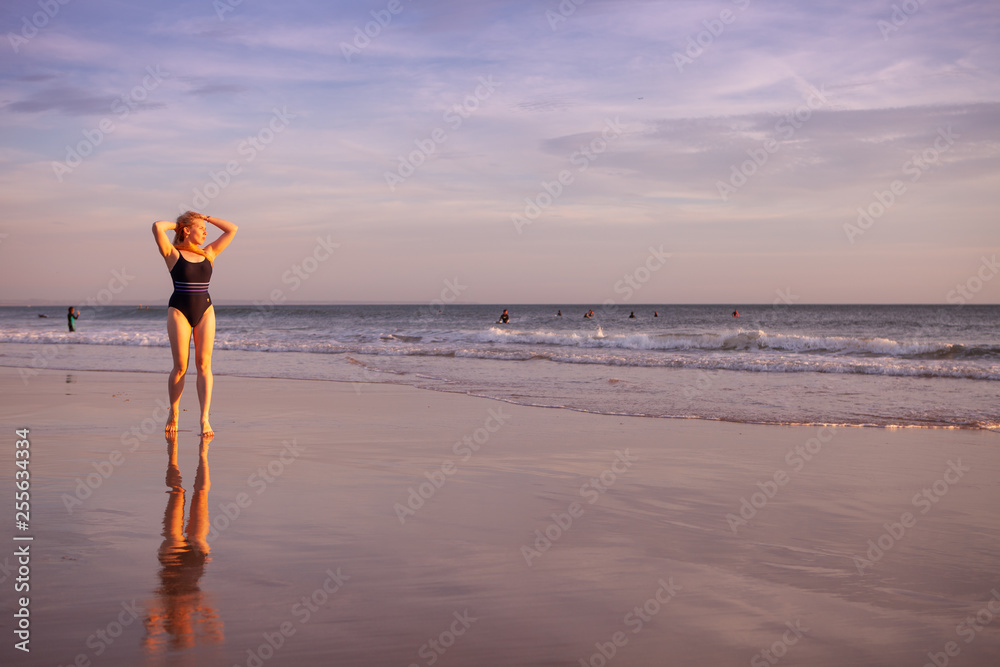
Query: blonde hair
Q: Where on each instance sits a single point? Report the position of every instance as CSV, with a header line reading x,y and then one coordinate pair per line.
x,y
184,223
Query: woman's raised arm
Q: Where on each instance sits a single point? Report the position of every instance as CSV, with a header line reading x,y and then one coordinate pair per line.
x,y
160,229
228,232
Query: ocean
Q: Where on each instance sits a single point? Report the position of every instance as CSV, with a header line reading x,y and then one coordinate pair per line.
x,y
863,365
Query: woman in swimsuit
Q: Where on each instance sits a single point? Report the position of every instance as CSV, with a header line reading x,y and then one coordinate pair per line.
x,y
191,311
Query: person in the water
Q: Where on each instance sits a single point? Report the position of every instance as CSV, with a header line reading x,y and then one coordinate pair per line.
x,y
504,318
71,318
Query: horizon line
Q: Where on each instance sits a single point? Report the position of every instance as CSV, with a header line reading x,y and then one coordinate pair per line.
x,y
245,304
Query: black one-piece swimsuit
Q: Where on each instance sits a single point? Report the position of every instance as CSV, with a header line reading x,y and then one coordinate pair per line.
x,y
191,288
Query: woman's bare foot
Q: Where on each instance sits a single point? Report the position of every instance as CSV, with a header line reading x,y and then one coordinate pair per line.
x,y
171,426
206,430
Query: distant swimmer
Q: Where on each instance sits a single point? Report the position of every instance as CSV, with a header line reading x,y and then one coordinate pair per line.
x,y
736,313
655,314
71,318
588,314
559,313
504,318
632,315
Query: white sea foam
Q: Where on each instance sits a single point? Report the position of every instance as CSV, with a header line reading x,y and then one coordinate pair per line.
x,y
738,340
738,350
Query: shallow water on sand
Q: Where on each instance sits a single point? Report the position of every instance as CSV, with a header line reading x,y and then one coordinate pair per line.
x,y
328,525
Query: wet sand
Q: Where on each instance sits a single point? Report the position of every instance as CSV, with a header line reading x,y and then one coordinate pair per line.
x,y
336,523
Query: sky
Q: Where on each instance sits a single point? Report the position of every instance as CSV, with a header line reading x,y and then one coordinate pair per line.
x,y
504,152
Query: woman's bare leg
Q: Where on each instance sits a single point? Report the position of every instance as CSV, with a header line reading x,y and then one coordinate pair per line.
x,y
204,342
179,332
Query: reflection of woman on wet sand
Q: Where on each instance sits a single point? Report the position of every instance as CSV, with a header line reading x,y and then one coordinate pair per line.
x,y
180,616
190,310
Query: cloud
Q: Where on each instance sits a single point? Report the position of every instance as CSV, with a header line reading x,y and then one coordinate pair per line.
x,y
207,89
544,104
65,100
35,78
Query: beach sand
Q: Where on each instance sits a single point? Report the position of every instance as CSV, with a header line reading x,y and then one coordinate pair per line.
x,y
366,524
